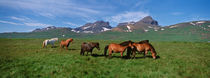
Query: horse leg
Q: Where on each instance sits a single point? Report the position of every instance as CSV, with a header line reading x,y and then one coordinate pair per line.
x,y
134,54
52,45
91,53
110,53
121,54
145,53
81,52
66,47
60,45
87,53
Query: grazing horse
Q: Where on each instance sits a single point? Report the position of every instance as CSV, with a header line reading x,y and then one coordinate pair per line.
x,y
113,47
89,47
49,41
144,47
65,43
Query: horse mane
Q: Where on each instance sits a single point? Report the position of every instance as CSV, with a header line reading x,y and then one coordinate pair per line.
x,y
143,41
125,43
68,41
93,43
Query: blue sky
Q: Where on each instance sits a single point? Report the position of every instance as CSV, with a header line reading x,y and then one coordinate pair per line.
x,y
27,15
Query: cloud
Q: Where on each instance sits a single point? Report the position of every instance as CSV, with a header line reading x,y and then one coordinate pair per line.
x,y
127,16
22,19
37,24
29,22
51,8
72,24
194,18
8,22
25,21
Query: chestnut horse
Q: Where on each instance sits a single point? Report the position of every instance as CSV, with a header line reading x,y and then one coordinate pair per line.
x,y
89,47
65,43
113,47
144,46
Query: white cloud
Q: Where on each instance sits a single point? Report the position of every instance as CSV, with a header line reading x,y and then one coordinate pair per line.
x,y
16,18
37,24
72,24
26,21
51,8
8,22
127,16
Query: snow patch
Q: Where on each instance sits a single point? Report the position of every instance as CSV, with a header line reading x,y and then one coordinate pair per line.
x,y
146,30
105,29
208,25
200,22
88,31
150,26
75,31
192,23
86,27
162,29
129,29
156,30
173,26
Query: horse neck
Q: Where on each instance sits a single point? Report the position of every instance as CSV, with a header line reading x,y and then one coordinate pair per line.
x,y
68,41
125,46
92,45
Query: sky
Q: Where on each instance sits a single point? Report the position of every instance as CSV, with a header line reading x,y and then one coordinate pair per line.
x,y
27,15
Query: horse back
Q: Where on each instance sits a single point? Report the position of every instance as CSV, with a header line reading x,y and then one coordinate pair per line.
x,y
116,47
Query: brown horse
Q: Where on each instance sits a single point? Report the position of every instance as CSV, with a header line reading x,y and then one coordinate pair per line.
x,y
144,46
89,47
65,43
117,48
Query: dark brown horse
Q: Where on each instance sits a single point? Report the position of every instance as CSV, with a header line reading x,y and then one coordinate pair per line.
x,y
89,47
117,48
66,43
144,46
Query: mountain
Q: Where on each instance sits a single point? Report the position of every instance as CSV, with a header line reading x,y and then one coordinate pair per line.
x,y
49,28
145,24
96,27
146,28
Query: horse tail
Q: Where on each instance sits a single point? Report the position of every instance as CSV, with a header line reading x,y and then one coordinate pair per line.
x,y
43,44
105,49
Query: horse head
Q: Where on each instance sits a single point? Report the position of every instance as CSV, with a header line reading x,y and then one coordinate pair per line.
x,y
69,40
97,45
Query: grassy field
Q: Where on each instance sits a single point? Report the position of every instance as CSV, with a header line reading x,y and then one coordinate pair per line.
x,y
25,58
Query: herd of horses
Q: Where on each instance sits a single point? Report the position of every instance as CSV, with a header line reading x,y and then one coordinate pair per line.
x,y
132,47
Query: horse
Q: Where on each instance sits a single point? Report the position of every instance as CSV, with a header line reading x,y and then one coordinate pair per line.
x,y
113,47
144,46
66,43
129,49
49,41
89,47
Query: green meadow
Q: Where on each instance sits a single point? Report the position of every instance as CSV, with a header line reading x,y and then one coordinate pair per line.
x,y
20,58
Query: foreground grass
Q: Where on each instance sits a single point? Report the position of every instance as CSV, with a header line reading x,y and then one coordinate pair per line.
x,y
26,58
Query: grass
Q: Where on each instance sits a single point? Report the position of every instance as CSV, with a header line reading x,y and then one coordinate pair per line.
x,y
25,58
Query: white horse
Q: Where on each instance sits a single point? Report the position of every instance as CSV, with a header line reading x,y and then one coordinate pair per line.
x,y
49,41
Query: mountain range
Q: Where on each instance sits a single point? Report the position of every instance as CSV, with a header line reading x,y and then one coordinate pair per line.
x,y
146,28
